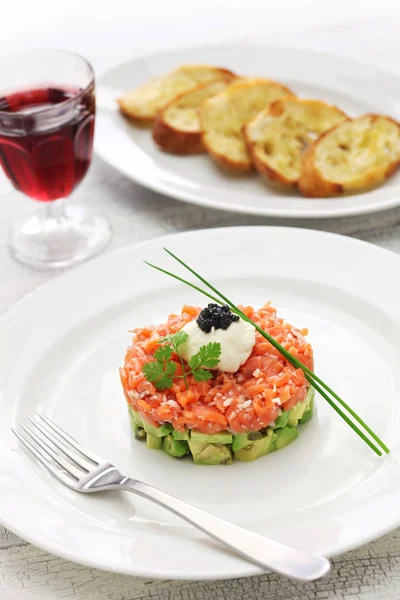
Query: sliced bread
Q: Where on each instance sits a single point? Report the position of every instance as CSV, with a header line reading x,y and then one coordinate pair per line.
x,y
223,117
278,136
354,155
143,103
176,127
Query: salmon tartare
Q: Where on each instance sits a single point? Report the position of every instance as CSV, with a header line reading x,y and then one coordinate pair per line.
x,y
242,402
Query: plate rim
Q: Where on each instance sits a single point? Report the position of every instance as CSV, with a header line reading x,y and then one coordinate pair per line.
x,y
248,569
181,195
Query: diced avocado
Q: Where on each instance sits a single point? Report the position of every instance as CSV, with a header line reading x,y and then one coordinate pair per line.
x,y
153,442
157,431
214,454
150,429
257,448
224,437
308,413
295,414
140,434
282,420
210,454
174,447
287,435
244,439
133,424
275,435
181,435
132,420
310,395
306,417
136,418
239,441
197,447
164,429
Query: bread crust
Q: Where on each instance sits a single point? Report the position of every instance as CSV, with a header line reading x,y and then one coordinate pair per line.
x,y
172,140
311,183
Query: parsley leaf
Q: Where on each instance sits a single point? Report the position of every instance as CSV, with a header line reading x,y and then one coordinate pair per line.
x,y
202,375
161,372
163,353
170,368
178,338
207,356
155,373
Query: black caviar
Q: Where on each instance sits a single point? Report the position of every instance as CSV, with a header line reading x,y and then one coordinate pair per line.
x,y
217,316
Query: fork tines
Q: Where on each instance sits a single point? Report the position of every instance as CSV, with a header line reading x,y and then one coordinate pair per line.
x,y
60,453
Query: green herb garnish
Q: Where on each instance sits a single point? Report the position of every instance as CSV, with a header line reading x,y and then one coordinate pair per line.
x,y
161,372
206,358
326,392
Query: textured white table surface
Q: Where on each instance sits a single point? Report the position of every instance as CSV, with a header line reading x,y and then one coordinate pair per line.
x,y
26,572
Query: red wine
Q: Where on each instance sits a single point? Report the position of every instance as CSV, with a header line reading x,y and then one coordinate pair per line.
x,y
46,139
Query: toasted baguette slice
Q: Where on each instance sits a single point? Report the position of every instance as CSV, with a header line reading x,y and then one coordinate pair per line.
x,y
176,127
223,117
277,137
354,155
143,103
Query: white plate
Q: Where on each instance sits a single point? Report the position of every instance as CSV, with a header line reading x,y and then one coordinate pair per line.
x,y
355,87
327,492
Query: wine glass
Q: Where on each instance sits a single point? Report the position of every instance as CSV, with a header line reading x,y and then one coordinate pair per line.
x,y
47,116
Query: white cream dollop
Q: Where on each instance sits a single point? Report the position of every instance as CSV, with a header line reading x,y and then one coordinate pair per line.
x,y
237,342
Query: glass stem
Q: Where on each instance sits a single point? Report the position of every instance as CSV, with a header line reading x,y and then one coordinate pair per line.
x,y
56,209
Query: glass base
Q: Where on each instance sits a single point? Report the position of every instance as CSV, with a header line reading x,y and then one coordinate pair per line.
x,y
63,236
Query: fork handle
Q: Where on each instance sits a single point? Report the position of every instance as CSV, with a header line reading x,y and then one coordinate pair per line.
x,y
260,550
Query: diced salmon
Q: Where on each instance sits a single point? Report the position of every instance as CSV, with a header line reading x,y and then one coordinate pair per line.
x,y
187,397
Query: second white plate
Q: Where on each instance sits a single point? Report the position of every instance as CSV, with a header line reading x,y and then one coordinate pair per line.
x,y
354,87
60,350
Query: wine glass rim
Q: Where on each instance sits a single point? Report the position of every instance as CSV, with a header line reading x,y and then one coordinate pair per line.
x,y
81,93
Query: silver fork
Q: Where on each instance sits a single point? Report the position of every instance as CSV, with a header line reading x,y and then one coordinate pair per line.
x,y
83,471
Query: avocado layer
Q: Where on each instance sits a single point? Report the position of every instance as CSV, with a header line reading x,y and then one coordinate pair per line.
x,y
307,413
181,435
244,439
282,420
136,418
221,448
153,442
157,431
287,435
210,454
175,447
255,449
223,437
